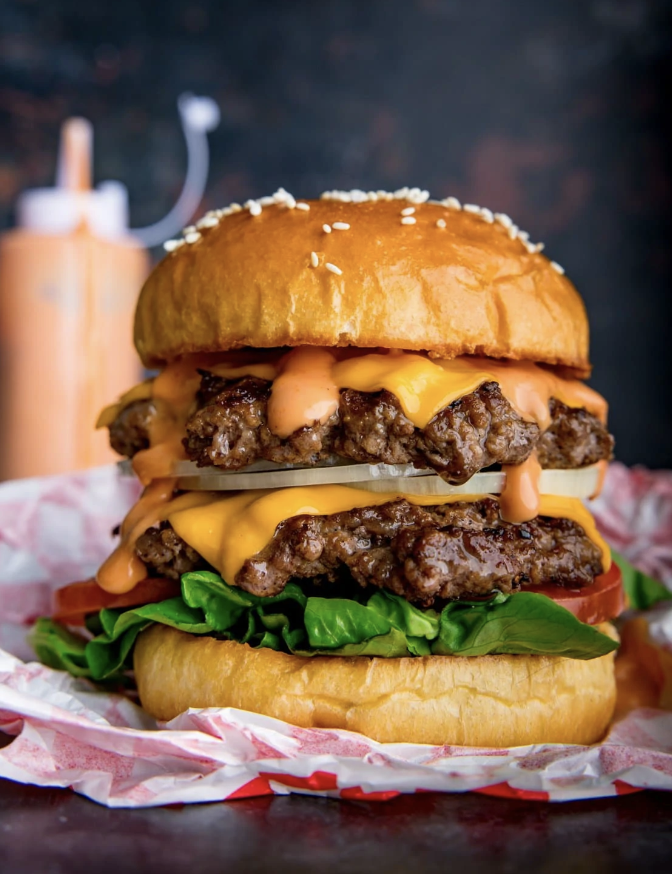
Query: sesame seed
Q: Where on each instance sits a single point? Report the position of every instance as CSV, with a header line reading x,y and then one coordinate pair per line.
x,y
192,237
540,247
189,229
290,203
314,260
503,219
171,245
253,206
413,196
235,207
356,195
208,221
557,267
333,269
303,206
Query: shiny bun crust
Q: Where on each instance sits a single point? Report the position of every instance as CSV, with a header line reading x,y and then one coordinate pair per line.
x,y
460,289
491,701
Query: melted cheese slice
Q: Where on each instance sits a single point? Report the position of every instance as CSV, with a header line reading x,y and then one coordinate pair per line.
x,y
227,531
123,570
307,382
425,386
422,386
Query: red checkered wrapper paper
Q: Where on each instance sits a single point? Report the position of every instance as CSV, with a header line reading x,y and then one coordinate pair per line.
x,y
66,733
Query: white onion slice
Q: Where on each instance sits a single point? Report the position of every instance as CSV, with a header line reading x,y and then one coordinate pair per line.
x,y
401,479
190,468
580,483
279,477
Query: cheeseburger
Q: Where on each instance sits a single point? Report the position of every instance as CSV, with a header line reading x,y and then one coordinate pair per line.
x,y
365,457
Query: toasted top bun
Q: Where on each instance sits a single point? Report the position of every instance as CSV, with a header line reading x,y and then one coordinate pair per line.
x,y
466,288
490,701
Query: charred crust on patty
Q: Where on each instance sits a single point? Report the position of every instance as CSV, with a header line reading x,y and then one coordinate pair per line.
x,y
481,429
229,430
575,438
163,551
424,554
129,432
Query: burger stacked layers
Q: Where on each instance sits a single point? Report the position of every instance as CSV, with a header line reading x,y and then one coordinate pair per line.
x,y
364,457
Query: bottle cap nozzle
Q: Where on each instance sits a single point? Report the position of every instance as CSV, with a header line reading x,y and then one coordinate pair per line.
x,y
72,201
74,155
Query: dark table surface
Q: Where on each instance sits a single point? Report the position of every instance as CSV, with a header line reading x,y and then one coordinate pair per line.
x,y
52,831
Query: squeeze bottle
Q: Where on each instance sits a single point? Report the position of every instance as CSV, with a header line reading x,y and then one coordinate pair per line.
x,y
69,278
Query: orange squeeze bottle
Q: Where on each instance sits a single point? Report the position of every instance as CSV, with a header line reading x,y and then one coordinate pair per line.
x,y
69,277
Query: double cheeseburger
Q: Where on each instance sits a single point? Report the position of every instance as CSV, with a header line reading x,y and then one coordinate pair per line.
x,y
365,458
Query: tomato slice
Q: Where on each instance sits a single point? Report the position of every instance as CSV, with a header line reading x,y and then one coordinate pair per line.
x,y
599,602
74,602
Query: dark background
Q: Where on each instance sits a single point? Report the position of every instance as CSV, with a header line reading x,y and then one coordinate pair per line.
x,y
553,111
54,831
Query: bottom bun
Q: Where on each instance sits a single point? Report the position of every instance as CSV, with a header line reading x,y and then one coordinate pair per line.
x,y
488,701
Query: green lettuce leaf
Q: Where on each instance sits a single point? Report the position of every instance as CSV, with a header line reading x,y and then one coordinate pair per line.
x,y
109,653
394,644
385,625
413,621
525,624
391,626
224,605
335,622
59,648
643,591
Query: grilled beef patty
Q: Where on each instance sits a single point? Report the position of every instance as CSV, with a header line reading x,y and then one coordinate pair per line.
x,y
230,431
421,553
129,432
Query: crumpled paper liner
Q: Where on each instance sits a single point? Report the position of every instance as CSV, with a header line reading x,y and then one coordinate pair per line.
x,y
53,531
103,746
634,514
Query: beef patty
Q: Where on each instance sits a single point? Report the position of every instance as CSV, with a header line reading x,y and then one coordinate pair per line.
x,y
229,430
129,432
421,553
